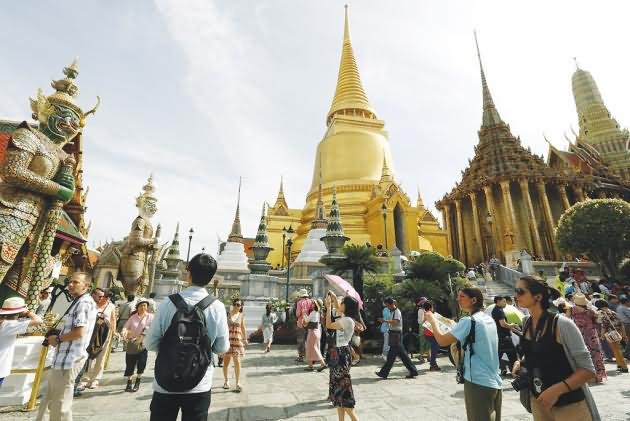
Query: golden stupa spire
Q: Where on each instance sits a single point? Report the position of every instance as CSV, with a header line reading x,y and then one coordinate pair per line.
x,y
386,174
419,201
491,116
350,97
236,235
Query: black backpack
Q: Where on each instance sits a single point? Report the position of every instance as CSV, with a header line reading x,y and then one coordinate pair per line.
x,y
99,336
185,350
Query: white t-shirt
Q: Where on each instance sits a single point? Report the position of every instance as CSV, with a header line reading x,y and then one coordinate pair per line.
x,y
9,329
345,335
420,316
313,317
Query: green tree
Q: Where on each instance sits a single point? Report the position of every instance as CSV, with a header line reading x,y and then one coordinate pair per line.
x,y
599,229
358,259
624,271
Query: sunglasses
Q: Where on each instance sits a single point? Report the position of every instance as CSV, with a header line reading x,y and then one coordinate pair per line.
x,y
519,291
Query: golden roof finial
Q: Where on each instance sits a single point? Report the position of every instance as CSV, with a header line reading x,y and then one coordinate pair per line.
x,y
236,235
491,116
349,94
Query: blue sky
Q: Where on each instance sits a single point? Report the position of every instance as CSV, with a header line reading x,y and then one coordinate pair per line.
x,y
200,92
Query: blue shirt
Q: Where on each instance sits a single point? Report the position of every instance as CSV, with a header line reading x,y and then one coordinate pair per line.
x,y
387,315
216,321
483,367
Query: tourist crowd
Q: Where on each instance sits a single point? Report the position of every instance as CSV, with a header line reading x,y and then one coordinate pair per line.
x,y
552,338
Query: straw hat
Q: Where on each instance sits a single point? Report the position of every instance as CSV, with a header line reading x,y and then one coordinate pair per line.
x,y
302,293
579,299
13,305
559,301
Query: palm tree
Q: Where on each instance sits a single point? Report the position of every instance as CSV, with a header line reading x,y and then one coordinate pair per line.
x,y
359,260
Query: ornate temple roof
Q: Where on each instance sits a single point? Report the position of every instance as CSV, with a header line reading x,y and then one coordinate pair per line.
x,y
349,94
490,116
499,154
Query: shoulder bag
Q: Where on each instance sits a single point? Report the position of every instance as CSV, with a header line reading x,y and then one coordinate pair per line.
x,y
612,335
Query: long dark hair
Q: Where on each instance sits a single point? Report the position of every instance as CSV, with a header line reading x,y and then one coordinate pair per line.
x,y
268,308
238,300
351,307
537,286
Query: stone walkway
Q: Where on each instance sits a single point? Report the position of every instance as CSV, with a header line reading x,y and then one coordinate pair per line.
x,y
276,388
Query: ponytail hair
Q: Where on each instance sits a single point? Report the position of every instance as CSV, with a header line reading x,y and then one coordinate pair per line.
x,y
537,286
474,292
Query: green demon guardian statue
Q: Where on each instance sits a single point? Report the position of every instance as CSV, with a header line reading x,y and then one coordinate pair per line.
x,y
37,179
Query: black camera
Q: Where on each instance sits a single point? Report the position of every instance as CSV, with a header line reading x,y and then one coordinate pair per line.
x,y
520,383
51,332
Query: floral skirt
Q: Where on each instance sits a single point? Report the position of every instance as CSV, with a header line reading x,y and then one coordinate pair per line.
x,y
340,385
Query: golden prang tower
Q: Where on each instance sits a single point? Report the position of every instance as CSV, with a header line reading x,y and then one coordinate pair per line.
x,y
354,156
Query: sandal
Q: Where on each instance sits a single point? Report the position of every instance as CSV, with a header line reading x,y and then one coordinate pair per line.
x,y
321,368
226,385
309,369
238,388
92,385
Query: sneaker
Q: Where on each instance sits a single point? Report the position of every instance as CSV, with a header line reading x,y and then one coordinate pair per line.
x,y
622,370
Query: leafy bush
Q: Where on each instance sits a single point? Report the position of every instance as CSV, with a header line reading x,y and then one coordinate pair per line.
x,y
598,228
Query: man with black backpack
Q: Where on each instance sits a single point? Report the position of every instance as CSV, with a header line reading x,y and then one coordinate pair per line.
x,y
188,327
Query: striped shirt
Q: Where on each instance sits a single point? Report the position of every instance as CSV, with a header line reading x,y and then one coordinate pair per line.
x,y
82,313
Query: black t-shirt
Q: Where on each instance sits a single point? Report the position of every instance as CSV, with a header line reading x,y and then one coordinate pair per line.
x,y
498,314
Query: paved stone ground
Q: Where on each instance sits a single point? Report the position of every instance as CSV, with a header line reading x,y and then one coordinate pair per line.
x,y
276,388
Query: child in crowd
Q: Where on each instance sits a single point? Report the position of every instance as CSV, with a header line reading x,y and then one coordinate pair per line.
x,y
11,324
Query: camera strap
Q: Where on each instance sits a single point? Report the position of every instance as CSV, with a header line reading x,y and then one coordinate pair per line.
x,y
76,300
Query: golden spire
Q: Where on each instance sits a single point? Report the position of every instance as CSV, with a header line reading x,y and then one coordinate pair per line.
x,y
281,207
491,116
419,202
349,96
236,235
386,174
319,220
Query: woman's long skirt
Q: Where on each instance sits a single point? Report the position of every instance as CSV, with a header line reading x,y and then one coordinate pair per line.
x,y
340,385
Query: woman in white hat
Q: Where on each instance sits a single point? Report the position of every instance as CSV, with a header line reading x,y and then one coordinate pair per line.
x,y
12,310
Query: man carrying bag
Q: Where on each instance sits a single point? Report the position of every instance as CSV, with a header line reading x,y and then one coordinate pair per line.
x,y
176,385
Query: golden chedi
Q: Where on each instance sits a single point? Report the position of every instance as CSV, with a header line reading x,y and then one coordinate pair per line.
x,y
354,157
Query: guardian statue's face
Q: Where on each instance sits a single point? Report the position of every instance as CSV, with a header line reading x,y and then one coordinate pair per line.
x,y
148,209
63,123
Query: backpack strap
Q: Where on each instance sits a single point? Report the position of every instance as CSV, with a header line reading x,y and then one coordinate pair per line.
x,y
179,303
206,302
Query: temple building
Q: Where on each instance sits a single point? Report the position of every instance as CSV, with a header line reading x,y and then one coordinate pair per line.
x,y
598,128
354,157
509,199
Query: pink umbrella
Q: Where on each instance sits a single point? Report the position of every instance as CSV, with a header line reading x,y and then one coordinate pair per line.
x,y
343,287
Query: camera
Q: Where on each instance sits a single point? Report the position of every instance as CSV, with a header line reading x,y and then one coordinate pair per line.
x,y
520,383
459,376
50,332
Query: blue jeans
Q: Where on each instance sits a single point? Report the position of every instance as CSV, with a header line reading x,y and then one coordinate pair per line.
x,y
435,348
